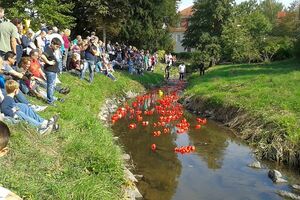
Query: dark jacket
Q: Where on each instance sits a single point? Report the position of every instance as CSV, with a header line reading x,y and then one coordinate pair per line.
x,y
7,105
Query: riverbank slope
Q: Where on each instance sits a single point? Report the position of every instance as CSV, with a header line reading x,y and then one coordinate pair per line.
x,y
82,160
260,101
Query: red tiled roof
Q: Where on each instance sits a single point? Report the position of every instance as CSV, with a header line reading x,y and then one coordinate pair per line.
x,y
187,12
281,14
177,30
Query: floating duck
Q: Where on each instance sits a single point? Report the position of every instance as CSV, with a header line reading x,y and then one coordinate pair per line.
x,y
160,93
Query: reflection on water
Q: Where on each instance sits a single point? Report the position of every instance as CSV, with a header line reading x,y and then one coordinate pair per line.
x,y
160,169
216,170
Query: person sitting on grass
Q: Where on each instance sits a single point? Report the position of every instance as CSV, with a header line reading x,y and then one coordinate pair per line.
x,y
34,89
75,62
9,68
5,194
20,97
38,74
19,110
107,70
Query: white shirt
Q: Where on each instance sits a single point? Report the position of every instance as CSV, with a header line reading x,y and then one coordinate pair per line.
x,y
40,42
55,35
181,68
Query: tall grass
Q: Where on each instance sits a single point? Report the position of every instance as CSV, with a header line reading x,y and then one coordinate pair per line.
x,y
81,161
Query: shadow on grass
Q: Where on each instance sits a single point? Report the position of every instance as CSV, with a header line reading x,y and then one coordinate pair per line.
x,y
232,71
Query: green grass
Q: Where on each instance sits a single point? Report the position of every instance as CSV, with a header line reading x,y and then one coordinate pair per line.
x,y
81,161
271,91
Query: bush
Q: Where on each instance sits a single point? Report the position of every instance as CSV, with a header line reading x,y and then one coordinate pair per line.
x,y
185,56
161,55
192,68
296,50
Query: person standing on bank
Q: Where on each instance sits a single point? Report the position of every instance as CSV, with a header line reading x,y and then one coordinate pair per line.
x,y
181,71
167,70
202,68
8,35
51,67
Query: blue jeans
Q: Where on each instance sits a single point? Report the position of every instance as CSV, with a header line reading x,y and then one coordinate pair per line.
x,y
109,75
51,76
43,84
20,98
23,87
98,67
88,64
27,114
131,69
19,49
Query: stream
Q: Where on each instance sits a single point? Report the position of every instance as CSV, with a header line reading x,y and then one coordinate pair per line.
x,y
184,157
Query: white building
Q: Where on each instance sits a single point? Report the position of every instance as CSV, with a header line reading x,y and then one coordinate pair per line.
x,y
178,31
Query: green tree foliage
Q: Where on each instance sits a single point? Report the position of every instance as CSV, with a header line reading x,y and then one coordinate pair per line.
x,y
250,36
270,8
205,27
99,15
143,26
51,12
238,43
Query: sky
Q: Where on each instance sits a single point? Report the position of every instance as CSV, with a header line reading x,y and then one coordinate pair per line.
x,y
186,3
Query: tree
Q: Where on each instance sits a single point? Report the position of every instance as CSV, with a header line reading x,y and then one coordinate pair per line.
x,y
270,9
102,16
206,25
51,12
238,44
143,27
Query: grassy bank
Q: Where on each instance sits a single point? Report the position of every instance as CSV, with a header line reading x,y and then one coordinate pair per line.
x,y
81,161
271,91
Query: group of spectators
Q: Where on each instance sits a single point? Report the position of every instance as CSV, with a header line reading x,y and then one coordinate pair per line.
x,y
31,62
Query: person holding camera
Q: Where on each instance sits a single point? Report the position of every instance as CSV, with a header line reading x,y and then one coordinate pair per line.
x,y
9,69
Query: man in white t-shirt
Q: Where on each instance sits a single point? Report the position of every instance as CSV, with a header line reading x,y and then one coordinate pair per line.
x,y
181,71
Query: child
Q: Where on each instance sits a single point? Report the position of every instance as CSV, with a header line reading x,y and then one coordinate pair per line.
x,y
4,137
19,110
181,71
31,84
75,62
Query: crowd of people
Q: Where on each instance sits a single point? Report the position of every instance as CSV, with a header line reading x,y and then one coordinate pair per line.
x,y
32,61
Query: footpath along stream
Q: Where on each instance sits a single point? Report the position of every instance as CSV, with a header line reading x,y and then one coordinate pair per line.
x,y
184,156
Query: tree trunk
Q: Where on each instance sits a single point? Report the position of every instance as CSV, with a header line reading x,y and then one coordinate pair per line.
x,y
104,34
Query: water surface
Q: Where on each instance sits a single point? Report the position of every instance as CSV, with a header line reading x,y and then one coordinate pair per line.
x,y
216,170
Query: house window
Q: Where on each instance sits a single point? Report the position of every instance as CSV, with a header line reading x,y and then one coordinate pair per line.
x,y
178,39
